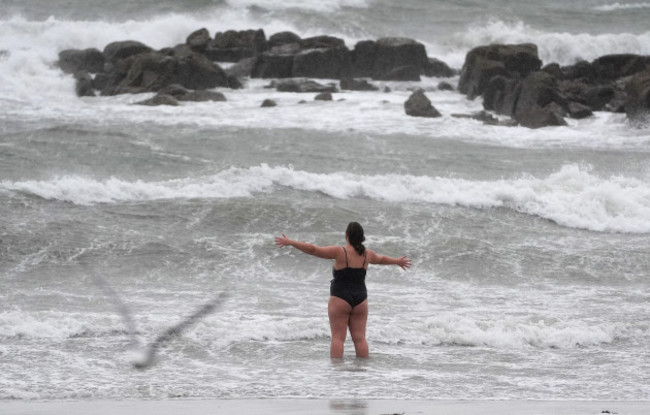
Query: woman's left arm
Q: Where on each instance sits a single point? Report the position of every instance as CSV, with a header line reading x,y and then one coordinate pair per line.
x,y
327,252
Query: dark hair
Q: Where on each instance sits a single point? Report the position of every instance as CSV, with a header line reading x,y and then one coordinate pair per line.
x,y
355,236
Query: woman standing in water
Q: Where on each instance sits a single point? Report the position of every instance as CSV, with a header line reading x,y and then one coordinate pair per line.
x,y
348,303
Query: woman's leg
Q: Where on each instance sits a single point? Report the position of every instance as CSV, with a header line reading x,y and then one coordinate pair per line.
x,y
358,319
339,314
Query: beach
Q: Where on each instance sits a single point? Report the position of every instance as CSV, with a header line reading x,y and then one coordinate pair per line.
x,y
138,269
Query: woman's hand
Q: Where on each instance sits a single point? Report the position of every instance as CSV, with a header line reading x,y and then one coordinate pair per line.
x,y
282,240
404,262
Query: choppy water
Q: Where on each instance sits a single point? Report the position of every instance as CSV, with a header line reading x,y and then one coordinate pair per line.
x,y
530,247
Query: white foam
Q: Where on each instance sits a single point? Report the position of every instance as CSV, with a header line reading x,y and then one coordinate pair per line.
x,y
563,48
573,196
621,6
505,332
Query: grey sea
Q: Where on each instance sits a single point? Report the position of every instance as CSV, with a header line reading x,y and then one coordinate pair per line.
x,y
530,248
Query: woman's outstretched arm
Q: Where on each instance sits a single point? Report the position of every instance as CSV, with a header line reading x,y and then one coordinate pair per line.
x,y
402,261
327,252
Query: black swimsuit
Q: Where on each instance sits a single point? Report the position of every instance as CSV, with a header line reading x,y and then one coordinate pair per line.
x,y
349,284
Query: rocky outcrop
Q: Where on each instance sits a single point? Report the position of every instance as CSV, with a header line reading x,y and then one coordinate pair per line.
x,y
352,84
511,82
184,94
637,105
485,62
377,59
301,86
419,105
233,46
86,60
327,63
159,100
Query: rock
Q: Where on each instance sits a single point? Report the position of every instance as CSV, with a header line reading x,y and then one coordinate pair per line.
x,y
439,69
121,50
147,72
537,117
609,68
159,100
198,41
445,86
233,46
302,86
418,105
288,49
401,73
501,95
538,90
203,96
485,62
283,38
183,94
272,65
554,69
241,69
331,63
637,105
598,97
582,70
321,42
84,84
485,117
99,81
87,60
475,79
233,82
579,111
269,103
376,60
151,72
352,84
323,96
198,72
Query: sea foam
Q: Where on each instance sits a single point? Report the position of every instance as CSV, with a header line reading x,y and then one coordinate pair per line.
x,y
573,196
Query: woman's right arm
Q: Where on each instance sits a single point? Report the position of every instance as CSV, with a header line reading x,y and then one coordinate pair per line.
x,y
374,258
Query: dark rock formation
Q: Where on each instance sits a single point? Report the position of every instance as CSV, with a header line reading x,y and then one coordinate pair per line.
x,y
445,86
376,60
329,63
485,117
87,60
418,105
302,86
159,100
352,84
485,62
150,72
283,38
268,103
273,65
321,42
537,117
241,69
121,50
637,106
401,73
198,41
233,46
183,94
439,69
323,96
84,84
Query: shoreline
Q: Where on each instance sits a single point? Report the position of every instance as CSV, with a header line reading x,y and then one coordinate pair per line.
x,y
349,406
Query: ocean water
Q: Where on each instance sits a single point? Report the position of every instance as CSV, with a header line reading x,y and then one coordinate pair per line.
x,y
530,248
